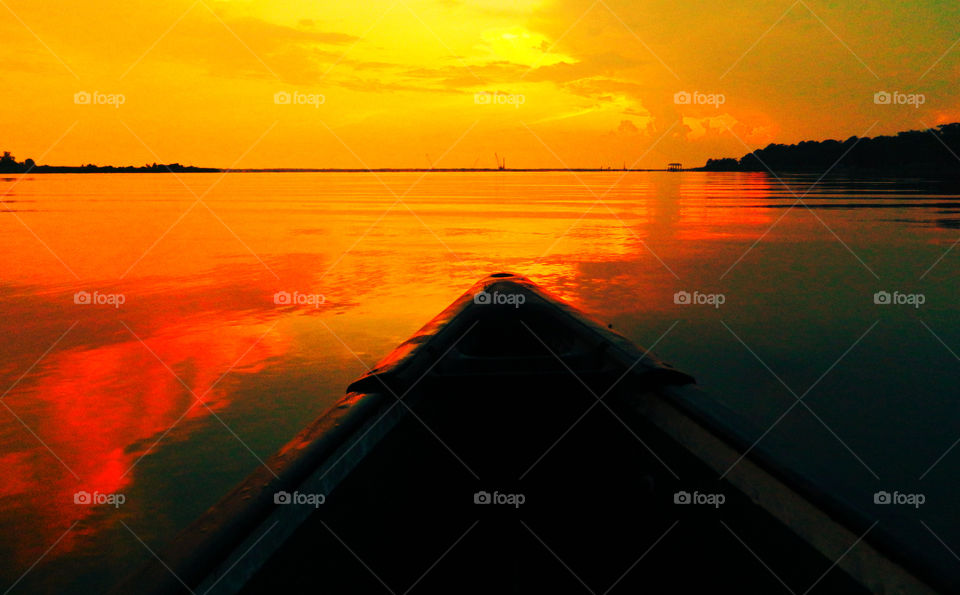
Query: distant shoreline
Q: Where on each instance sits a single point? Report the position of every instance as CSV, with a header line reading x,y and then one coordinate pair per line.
x,y
933,152
836,172
51,169
910,172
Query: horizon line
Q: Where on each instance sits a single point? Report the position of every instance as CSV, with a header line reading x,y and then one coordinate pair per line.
x,y
165,168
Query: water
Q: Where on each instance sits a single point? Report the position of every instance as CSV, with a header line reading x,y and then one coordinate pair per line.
x,y
175,395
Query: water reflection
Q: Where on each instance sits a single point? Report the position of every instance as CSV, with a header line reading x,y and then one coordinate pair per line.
x,y
99,408
199,286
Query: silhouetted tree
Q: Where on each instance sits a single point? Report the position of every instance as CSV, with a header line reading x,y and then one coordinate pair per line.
x,y
8,163
725,164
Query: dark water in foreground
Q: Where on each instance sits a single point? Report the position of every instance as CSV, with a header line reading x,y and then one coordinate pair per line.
x,y
106,397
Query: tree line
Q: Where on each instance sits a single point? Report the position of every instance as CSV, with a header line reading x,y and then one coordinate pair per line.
x,y
933,151
9,165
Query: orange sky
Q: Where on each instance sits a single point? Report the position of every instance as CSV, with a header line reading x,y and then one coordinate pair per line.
x,y
394,83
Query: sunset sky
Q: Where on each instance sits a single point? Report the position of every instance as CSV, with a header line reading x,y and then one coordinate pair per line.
x,y
395,83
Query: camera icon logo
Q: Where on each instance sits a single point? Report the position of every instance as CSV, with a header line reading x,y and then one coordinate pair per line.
x,y
681,297
483,98
881,497
282,497
81,98
482,298
282,298
82,497
481,498
681,497
882,98
881,297
82,297
281,98
682,98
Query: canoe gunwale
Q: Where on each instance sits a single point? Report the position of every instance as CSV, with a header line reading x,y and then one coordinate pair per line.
x,y
202,549
904,562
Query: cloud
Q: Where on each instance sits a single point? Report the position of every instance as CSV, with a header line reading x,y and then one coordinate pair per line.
x,y
627,128
246,46
708,126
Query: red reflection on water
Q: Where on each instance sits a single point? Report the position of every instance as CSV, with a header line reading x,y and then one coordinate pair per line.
x,y
100,409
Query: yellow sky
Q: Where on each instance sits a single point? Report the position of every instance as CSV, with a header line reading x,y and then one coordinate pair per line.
x,y
410,83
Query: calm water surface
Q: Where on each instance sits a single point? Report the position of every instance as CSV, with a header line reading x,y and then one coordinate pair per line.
x,y
173,396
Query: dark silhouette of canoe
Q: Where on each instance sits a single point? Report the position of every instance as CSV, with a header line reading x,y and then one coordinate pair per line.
x,y
516,445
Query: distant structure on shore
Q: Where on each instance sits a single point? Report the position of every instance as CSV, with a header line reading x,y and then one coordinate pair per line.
x,y
674,167
915,152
